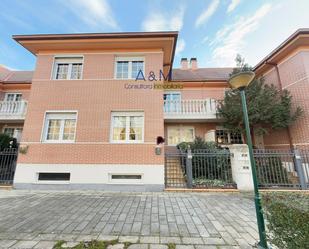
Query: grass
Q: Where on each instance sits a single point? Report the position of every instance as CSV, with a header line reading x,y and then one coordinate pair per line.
x,y
171,246
93,244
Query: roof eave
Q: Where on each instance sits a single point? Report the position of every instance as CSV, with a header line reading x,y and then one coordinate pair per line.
x,y
283,45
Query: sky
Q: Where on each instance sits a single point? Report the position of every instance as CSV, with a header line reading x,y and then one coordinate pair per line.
x,y
213,31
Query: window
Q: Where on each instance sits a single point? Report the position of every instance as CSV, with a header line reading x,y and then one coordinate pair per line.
x,y
60,127
178,134
126,177
13,132
54,176
228,137
68,68
172,102
128,67
12,97
127,127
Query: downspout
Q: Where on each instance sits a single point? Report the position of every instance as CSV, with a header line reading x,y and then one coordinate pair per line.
x,y
275,65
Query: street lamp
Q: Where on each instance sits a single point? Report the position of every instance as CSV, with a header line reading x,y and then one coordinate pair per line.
x,y
240,81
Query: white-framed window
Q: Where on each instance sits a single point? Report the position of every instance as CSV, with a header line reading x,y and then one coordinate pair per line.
x,y
59,127
68,68
12,97
172,101
127,127
228,137
14,132
128,67
180,133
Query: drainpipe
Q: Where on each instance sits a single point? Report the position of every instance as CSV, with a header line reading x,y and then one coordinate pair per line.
x,y
275,65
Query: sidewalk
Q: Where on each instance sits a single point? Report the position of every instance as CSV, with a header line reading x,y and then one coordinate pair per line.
x,y
38,219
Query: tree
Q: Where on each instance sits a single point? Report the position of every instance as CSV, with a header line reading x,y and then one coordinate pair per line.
x,y
268,107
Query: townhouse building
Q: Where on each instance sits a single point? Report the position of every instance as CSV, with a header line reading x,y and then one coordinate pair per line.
x,y
87,122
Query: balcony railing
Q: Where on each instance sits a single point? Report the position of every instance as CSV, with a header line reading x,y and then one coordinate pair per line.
x,y
13,110
190,109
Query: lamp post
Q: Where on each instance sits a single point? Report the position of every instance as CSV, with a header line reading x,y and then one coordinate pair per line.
x,y
240,81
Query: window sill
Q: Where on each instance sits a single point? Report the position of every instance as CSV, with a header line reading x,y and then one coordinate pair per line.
x,y
58,142
65,79
119,142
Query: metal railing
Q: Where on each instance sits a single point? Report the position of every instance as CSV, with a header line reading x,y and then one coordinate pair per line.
x,y
282,168
8,159
13,109
196,107
199,169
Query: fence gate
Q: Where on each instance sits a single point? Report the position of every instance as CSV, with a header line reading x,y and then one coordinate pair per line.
x,y
198,169
8,159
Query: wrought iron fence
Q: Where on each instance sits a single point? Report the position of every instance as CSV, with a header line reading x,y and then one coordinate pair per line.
x,y
282,168
212,169
8,159
199,169
304,154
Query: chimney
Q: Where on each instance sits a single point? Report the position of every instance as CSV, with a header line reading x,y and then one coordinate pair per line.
x,y
193,63
184,63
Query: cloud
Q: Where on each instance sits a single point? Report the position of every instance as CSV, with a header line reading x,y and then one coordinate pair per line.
x,y
164,21
230,40
207,13
232,5
95,13
180,46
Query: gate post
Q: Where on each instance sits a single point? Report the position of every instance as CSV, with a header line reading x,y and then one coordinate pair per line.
x,y
300,169
189,168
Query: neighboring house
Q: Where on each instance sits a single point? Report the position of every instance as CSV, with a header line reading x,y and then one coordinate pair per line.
x,y
91,124
14,95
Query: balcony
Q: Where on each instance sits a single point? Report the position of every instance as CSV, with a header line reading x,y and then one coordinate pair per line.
x,y
13,110
191,109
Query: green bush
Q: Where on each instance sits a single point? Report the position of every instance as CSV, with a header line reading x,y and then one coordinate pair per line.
x,y
198,144
7,142
210,162
287,217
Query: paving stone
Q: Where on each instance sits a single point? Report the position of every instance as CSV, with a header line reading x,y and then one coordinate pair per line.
x,y
205,247
116,246
149,239
24,244
87,237
7,243
131,239
66,237
107,237
81,215
157,246
70,244
166,240
184,247
45,244
214,241
192,241
45,237
138,246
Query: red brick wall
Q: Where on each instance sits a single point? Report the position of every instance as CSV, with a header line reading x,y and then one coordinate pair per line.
x,y
294,76
94,98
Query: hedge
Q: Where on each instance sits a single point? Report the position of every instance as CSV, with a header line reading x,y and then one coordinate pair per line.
x,y
287,219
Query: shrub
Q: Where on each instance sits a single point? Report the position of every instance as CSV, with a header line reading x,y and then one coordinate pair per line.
x,y
287,217
198,144
7,142
210,162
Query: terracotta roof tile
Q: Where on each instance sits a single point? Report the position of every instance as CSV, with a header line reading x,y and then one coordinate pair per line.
x,y
20,76
201,74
